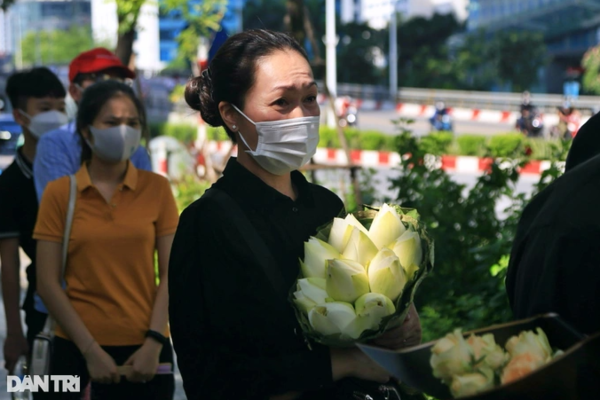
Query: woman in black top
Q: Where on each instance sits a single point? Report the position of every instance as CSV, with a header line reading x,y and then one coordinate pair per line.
x,y
234,331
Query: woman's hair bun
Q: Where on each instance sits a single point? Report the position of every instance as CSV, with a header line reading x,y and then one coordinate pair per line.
x,y
199,96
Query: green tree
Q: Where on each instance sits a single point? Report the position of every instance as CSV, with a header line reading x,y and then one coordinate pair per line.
x,y
518,56
128,12
201,17
423,51
55,47
591,76
357,51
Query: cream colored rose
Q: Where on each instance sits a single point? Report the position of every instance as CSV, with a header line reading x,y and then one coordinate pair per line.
x,y
451,356
472,383
487,353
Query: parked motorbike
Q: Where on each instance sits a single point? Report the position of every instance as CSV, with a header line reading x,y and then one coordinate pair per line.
x,y
349,118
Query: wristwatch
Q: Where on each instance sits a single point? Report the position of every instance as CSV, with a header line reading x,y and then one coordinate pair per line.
x,y
160,338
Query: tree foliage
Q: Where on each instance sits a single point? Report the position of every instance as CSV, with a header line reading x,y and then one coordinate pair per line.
x,y
128,12
472,244
201,18
591,76
358,51
518,56
55,47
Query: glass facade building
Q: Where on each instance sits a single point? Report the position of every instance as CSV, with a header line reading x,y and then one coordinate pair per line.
x,y
570,27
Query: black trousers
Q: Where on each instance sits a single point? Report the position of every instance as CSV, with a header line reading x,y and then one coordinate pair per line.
x,y
68,360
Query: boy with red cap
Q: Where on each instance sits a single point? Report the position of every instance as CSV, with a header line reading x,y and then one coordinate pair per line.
x,y
59,151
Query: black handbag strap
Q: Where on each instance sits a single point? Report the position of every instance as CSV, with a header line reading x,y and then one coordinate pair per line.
x,y
256,244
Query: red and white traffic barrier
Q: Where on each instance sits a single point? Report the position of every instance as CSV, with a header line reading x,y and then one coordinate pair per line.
x,y
384,159
414,110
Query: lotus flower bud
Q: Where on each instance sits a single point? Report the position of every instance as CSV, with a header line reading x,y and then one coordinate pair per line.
x,y
316,255
472,383
331,318
370,308
311,291
360,248
386,227
346,280
386,275
408,250
451,356
341,231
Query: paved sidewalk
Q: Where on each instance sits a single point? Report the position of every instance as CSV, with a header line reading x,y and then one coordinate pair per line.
x,y
4,395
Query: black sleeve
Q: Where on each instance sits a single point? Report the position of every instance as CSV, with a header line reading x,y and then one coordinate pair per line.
x,y
199,269
558,270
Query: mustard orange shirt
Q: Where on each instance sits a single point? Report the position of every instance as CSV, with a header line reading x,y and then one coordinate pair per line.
x,y
110,274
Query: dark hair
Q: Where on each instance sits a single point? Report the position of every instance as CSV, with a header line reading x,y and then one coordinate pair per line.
x,y
231,72
92,101
37,82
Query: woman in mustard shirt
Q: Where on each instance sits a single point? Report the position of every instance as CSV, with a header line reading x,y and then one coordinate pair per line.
x,y
111,313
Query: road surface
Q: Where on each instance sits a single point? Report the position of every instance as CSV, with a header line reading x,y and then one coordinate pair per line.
x,y
381,121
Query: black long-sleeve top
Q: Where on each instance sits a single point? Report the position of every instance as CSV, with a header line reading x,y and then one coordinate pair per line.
x,y
234,335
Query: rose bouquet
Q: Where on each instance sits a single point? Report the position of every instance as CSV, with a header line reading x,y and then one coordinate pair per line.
x,y
475,364
359,275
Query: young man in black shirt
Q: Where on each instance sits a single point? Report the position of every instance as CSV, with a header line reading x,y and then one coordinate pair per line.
x,y
38,100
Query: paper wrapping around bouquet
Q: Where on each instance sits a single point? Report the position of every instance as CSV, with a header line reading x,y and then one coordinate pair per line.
x,y
575,375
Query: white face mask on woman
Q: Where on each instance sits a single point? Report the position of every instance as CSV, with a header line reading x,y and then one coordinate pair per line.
x,y
45,122
115,144
284,145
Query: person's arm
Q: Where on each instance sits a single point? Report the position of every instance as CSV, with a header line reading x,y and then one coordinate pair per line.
x,y
15,344
145,360
141,159
53,160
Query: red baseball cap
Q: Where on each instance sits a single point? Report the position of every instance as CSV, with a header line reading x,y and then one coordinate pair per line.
x,y
97,60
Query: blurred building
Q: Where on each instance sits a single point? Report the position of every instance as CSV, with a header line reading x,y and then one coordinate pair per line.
x,y
377,12
172,22
26,16
570,27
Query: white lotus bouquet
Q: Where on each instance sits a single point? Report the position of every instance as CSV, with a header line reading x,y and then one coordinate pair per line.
x,y
360,274
472,365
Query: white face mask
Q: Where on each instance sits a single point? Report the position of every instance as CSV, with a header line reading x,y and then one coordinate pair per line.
x,y
115,144
284,145
45,122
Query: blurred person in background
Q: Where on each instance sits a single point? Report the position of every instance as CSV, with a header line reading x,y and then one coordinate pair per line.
x,y
112,312
59,152
38,101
